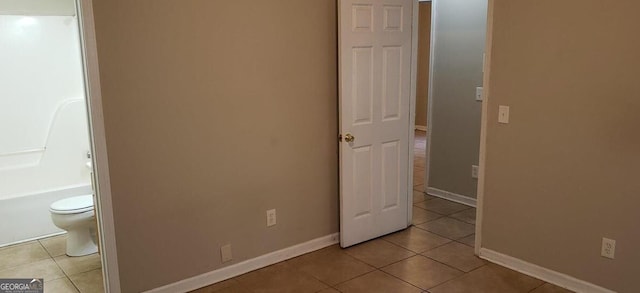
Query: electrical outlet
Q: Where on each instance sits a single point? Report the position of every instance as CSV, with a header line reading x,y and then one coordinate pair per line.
x,y
608,248
225,253
474,171
271,217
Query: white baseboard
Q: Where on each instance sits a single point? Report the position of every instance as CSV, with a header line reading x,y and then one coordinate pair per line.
x,y
421,128
463,199
249,265
547,275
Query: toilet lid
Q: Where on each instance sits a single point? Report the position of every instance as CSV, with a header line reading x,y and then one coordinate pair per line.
x,y
73,205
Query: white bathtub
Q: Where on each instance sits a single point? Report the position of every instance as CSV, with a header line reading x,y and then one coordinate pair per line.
x,y
30,182
27,217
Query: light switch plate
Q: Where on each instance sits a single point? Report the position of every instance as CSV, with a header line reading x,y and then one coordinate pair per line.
x,y
503,114
479,93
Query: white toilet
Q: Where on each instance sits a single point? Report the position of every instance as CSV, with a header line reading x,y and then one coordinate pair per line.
x,y
76,215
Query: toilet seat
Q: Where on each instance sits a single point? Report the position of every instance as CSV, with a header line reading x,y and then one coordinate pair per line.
x,y
73,205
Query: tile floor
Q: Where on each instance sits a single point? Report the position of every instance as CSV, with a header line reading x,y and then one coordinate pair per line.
x,y
435,255
46,258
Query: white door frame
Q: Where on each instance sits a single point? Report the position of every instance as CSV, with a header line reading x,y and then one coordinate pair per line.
x,y
412,107
101,181
484,123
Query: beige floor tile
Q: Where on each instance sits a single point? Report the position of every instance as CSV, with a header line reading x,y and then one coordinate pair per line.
x,y
330,265
420,216
281,277
378,252
416,240
20,254
549,288
62,285
220,286
442,206
422,272
377,281
45,269
456,255
469,240
489,279
468,216
56,245
235,289
449,228
88,282
78,264
419,196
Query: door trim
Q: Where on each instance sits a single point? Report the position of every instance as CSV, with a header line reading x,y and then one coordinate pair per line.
x,y
412,108
484,123
430,95
101,180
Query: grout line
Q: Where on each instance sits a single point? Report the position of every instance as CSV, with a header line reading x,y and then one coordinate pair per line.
x,y
444,236
402,280
446,264
74,284
60,267
458,277
45,249
543,282
458,241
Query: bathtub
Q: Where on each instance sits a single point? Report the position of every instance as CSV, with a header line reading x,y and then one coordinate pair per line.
x,y
27,217
31,181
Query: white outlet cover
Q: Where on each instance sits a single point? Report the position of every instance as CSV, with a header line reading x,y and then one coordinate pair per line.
x,y
474,171
271,217
225,253
608,248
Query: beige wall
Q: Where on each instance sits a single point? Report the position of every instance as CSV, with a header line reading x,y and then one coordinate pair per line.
x,y
564,172
459,41
424,41
216,111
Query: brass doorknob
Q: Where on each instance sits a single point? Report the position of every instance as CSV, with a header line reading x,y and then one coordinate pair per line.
x,y
349,138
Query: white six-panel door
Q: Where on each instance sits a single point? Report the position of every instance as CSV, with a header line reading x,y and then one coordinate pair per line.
x,y
375,89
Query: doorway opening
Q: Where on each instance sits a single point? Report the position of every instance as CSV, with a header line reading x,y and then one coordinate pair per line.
x,y
47,168
451,44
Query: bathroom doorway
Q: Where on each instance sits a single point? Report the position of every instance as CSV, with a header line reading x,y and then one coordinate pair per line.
x,y
451,46
48,227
